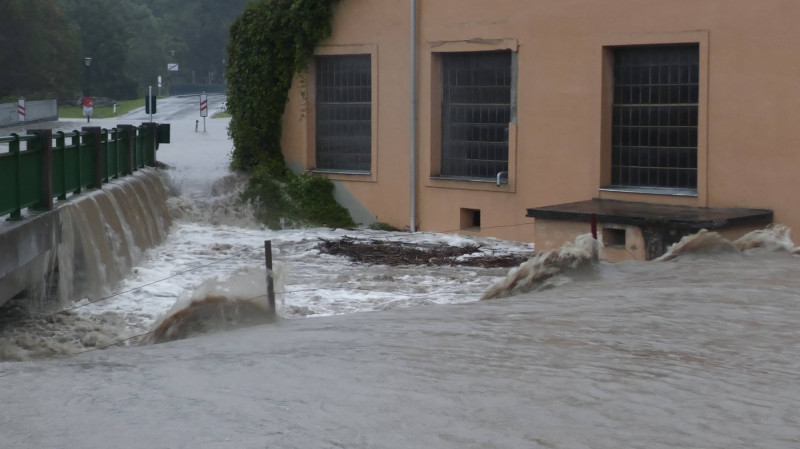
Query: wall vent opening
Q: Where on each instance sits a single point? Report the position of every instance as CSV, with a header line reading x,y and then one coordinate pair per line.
x,y
470,218
614,238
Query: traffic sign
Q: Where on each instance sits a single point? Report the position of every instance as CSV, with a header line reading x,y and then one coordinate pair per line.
x,y
172,67
203,105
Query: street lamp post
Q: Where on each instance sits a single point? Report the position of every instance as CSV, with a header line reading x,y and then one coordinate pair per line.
x,y
88,104
170,77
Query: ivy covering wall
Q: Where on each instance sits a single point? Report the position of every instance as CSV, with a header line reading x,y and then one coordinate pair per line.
x,y
271,42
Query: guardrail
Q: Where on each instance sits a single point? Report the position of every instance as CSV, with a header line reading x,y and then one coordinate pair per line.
x,y
41,166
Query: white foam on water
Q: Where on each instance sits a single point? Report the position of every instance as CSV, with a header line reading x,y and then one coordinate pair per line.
x,y
773,238
546,269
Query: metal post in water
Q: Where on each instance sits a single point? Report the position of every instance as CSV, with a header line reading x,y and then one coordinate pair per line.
x,y
270,281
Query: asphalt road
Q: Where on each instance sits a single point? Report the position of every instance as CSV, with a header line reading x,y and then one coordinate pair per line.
x,y
176,108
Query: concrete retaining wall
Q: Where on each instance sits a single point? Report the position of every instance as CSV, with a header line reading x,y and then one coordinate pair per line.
x,y
35,111
85,246
8,114
27,249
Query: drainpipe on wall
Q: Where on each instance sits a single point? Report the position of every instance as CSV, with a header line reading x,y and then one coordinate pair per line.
x,y
413,118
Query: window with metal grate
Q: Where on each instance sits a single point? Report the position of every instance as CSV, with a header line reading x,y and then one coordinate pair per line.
x,y
344,113
654,116
476,112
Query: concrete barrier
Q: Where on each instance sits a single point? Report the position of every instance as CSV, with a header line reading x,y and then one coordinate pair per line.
x,y
35,111
87,244
8,114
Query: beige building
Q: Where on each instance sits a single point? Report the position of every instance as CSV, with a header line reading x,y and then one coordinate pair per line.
x,y
522,108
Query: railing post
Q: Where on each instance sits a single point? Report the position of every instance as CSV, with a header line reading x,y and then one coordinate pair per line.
x,y
129,131
106,156
137,147
13,148
61,146
46,147
113,153
151,137
78,144
97,153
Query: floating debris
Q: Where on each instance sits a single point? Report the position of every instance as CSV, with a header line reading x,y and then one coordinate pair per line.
x,y
393,253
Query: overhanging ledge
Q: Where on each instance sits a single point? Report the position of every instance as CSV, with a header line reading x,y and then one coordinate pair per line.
x,y
647,214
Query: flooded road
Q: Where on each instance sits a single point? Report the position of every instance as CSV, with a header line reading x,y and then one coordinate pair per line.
x,y
213,236
702,351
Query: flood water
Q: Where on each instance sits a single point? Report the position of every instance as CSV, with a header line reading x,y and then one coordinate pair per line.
x,y
698,350
214,237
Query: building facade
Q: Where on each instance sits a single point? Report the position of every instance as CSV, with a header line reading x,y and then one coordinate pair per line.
x,y
518,105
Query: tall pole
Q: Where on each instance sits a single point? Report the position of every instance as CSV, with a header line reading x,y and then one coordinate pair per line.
x,y
413,118
87,102
88,105
150,101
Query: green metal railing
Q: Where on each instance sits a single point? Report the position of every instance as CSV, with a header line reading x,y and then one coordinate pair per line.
x,y
41,165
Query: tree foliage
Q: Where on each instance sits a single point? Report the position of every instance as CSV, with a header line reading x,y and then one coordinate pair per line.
x,y
104,36
43,43
38,47
271,42
197,32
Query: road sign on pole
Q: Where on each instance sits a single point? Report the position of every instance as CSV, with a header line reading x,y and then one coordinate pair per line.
x,y
203,105
204,109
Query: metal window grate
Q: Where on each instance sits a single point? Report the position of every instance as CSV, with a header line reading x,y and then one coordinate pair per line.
x,y
344,113
476,112
654,122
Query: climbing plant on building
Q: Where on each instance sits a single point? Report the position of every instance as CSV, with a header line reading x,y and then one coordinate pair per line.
x,y
271,42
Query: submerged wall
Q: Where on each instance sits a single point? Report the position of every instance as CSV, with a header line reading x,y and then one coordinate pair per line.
x,y
88,244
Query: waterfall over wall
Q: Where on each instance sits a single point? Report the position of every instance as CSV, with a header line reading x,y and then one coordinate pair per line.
x,y
88,244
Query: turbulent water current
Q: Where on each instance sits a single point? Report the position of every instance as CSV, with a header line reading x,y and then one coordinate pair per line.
x,y
214,245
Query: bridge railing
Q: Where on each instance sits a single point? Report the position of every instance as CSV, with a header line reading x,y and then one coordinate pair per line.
x,y
41,166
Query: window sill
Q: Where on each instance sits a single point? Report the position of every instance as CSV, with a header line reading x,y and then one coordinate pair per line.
x,y
341,175
483,184
651,190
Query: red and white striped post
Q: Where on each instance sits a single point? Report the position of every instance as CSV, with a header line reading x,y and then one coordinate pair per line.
x,y
21,109
204,109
